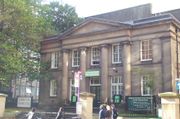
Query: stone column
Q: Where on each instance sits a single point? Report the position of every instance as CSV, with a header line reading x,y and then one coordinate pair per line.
x,y
170,105
87,105
127,67
105,89
83,84
65,76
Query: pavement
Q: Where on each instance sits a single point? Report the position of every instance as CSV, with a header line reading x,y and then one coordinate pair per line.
x,y
19,113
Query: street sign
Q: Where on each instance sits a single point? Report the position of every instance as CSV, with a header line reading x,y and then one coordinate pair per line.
x,y
178,85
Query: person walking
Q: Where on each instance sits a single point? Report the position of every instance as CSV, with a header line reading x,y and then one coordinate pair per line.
x,y
108,112
30,113
114,112
60,114
102,112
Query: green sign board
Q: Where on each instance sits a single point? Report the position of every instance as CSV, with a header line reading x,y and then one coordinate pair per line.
x,y
73,99
140,103
92,73
117,99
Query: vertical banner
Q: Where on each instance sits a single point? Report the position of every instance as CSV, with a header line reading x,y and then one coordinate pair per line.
x,y
76,79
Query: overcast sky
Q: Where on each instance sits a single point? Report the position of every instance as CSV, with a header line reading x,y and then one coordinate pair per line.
x,y
86,8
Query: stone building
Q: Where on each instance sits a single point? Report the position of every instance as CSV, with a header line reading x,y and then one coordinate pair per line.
x,y
126,52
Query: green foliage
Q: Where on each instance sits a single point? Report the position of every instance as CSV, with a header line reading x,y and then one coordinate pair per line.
x,y
21,29
23,24
61,17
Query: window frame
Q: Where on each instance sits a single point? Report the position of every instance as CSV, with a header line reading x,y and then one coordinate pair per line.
x,y
76,58
148,89
95,81
73,89
53,88
119,85
92,56
54,60
119,54
148,51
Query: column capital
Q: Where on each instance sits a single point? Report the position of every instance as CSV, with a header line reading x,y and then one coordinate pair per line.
x,y
83,48
126,42
104,45
65,50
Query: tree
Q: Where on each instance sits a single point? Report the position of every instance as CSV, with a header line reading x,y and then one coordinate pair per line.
x,y
61,17
23,23
21,29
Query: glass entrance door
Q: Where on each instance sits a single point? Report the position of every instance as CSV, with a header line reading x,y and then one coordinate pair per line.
x,y
95,87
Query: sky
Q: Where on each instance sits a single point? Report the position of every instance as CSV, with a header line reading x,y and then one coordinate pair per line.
x,y
85,8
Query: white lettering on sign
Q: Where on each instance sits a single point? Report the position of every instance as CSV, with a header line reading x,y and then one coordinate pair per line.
x,y
24,102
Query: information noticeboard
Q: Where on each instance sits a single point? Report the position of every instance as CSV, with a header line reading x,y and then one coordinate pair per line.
x,y
140,103
24,101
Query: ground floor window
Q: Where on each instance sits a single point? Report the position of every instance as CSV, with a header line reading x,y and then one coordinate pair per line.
x,y
53,88
116,86
145,85
72,88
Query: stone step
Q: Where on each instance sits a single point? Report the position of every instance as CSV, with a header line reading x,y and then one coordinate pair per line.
x,y
45,115
73,109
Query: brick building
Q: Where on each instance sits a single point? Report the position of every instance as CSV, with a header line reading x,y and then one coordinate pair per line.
x,y
127,52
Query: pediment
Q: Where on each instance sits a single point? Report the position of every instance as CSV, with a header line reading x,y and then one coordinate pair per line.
x,y
92,26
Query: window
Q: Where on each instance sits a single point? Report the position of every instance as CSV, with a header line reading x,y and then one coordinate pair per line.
x,y
94,81
54,60
53,88
116,86
75,58
145,87
95,56
72,88
116,54
146,50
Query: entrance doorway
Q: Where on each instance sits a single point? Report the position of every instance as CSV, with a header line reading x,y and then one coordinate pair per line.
x,y
95,87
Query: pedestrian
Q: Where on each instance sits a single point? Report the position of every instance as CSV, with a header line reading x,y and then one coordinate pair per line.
x,y
60,113
30,113
102,112
108,112
114,112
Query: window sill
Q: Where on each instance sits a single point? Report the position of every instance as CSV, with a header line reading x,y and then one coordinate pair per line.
x,y
53,96
145,60
54,67
77,66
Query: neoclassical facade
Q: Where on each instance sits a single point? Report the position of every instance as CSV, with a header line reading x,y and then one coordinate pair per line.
x,y
135,55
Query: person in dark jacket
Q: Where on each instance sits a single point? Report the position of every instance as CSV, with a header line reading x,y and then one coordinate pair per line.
x,y
114,112
102,112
